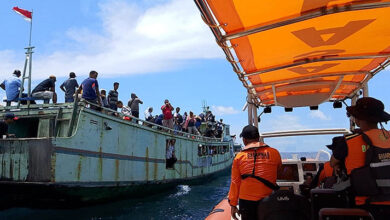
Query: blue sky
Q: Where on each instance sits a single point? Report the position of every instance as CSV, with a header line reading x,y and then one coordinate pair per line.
x,y
157,49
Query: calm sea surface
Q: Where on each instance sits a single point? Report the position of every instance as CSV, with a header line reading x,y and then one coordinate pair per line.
x,y
182,202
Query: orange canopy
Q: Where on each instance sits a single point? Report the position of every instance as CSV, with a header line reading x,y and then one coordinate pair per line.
x,y
301,52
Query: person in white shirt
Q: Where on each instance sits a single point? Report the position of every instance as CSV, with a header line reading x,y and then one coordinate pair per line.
x,y
170,156
148,114
124,109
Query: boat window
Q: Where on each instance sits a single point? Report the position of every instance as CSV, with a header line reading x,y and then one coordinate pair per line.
x,y
309,167
225,149
170,153
289,173
24,127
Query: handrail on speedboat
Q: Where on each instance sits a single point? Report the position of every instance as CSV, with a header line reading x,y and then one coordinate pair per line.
x,y
305,132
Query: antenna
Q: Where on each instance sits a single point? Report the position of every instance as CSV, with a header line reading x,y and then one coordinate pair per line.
x,y
205,107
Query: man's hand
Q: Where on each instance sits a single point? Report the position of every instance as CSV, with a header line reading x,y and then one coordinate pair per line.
x,y
234,212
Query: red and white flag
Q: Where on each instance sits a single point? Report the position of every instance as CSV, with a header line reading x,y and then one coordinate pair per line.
x,y
27,15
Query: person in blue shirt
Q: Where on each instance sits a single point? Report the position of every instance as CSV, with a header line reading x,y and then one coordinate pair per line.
x,y
90,87
69,87
12,86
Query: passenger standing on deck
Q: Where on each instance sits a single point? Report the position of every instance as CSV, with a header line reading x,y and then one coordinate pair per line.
x,y
90,87
254,173
69,87
46,90
190,124
103,96
113,97
8,119
368,148
167,112
133,103
178,119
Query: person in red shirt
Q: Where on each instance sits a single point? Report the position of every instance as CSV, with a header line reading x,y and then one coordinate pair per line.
x,y
167,112
254,173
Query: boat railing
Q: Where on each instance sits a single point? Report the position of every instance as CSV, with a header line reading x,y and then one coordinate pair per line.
x,y
319,153
149,124
54,108
305,132
36,106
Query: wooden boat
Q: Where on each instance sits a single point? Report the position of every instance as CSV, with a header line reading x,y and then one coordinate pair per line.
x,y
68,153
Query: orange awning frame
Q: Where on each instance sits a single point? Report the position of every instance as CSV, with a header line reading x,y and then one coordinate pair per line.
x,y
299,75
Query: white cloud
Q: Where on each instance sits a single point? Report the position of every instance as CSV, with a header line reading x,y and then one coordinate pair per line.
x,y
223,110
283,122
133,41
319,114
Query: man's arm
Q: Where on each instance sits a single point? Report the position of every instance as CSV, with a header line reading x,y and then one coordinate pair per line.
x,y
2,85
98,94
79,89
234,189
235,184
62,87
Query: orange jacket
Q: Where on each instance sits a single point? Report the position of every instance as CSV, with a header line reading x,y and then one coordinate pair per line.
x,y
326,172
268,161
356,154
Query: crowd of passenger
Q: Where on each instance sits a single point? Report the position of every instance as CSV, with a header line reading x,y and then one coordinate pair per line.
x,y
201,124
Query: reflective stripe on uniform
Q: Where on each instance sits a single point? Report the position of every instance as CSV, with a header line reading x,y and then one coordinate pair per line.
x,y
380,164
383,182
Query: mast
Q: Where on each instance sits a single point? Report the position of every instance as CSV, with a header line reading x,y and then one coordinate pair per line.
x,y
27,63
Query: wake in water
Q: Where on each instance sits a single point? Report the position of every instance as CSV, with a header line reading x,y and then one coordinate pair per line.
x,y
182,190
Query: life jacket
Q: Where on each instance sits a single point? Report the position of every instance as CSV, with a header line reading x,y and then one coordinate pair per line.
x,y
326,177
252,175
368,167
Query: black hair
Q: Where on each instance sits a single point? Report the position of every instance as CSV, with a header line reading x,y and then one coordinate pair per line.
x,y
17,72
93,72
116,83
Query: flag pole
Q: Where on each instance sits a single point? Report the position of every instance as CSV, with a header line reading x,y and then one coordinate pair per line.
x,y
27,64
29,42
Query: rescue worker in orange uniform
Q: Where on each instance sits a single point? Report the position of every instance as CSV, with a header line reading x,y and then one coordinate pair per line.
x,y
254,173
351,152
325,173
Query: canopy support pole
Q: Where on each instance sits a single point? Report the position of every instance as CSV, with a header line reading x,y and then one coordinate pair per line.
x,y
365,90
351,123
255,121
250,112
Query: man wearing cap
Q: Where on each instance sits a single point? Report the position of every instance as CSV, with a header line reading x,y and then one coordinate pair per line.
x,y
254,174
69,87
46,90
8,119
350,151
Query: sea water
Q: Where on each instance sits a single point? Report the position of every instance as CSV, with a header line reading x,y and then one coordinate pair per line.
x,y
183,202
